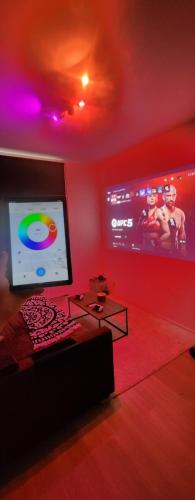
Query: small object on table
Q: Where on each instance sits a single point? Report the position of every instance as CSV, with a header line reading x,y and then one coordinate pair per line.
x,y
79,296
99,284
101,296
96,307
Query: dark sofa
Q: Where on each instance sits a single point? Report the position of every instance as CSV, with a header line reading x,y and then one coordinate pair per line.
x,y
48,389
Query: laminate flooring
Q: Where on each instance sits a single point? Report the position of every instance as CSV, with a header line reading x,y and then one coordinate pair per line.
x,y
139,445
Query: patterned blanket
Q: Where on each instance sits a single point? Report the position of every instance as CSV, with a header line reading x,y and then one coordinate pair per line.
x,y
46,322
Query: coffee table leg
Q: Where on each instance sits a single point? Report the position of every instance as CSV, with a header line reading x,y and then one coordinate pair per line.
x,y
125,332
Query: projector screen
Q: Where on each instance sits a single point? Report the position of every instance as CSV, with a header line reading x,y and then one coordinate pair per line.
x,y
39,243
154,215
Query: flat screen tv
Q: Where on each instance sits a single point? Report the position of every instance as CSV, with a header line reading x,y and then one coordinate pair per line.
x,y
39,242
155,215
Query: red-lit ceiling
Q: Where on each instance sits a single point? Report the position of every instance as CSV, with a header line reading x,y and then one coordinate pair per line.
x,y
139,54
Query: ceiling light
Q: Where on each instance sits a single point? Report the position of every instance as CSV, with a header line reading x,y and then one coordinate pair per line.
x,y
54,118
85,80
81,104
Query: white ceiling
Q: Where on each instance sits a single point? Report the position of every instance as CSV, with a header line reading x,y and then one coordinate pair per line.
x,y
140,55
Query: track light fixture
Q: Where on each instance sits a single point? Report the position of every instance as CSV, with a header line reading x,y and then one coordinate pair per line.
x,y
70,108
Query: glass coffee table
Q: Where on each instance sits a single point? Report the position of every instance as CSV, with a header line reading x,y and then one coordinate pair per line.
x,y
110,309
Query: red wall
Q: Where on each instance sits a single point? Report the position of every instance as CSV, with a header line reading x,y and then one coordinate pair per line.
x,y
84,225
85,229
161,285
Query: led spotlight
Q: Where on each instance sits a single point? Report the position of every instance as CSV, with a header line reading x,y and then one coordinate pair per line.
x,y
81,104
85,80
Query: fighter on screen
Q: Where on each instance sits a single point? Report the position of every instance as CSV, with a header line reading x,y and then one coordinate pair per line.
x,y
175,218
153,225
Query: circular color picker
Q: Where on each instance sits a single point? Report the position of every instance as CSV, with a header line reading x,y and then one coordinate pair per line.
x,y
25,224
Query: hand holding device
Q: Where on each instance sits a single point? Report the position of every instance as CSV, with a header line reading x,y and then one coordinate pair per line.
x,y
11,301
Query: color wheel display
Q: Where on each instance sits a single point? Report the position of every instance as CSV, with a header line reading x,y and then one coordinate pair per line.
x,y
24,228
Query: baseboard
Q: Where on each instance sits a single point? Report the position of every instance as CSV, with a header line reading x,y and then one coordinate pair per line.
x,y
157,315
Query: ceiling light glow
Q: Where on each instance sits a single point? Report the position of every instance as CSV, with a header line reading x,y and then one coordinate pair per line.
x,y
81,104
85,80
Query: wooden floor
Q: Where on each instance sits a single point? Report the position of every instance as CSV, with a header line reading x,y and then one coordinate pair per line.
x,y
139,446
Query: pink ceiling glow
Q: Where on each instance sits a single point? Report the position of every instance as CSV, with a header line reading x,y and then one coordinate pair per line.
x,y
137,59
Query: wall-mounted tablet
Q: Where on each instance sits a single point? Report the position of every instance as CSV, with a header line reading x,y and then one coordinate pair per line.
x,y
39,243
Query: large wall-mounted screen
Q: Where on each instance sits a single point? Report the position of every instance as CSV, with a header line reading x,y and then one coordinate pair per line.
x,y
154,215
